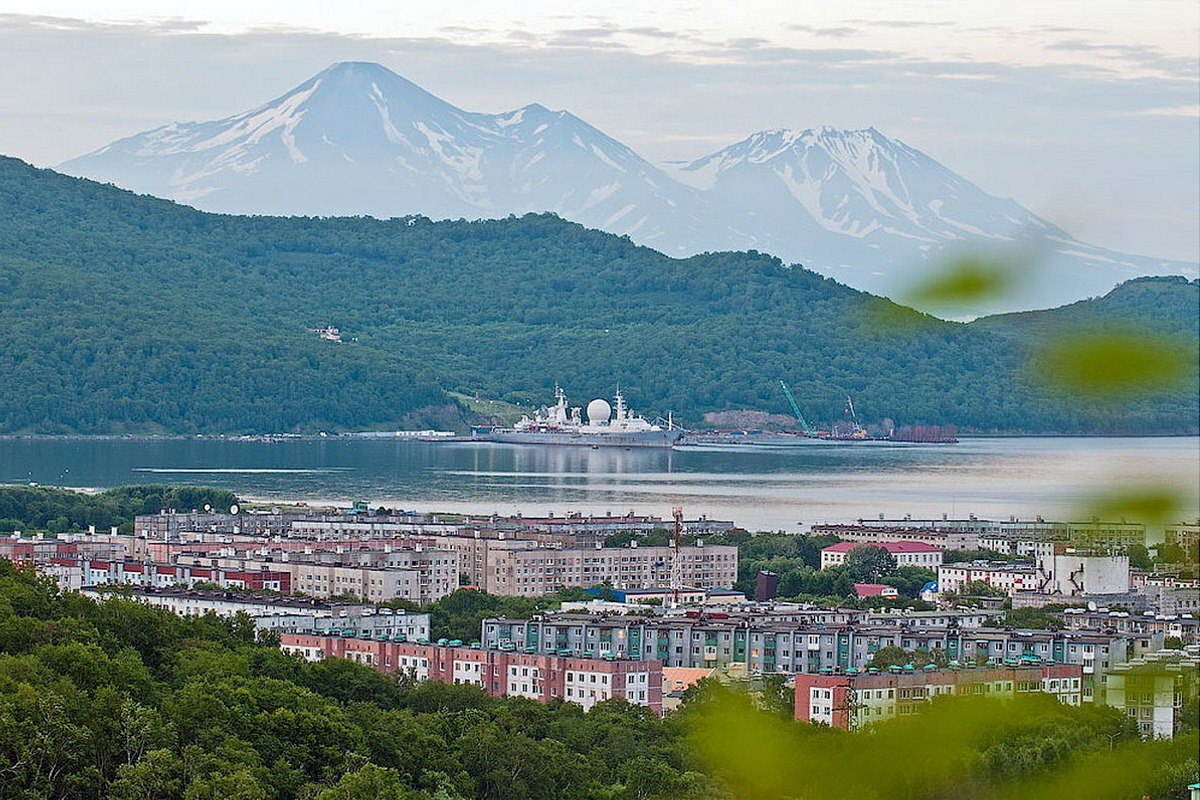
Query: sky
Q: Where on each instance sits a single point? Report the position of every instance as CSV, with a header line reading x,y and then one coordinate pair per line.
x,y
1086,111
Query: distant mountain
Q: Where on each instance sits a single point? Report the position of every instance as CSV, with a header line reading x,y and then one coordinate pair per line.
x,y
876,213
126,313
359,139
855,205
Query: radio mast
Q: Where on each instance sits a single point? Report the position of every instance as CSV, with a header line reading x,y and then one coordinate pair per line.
x,y
677,559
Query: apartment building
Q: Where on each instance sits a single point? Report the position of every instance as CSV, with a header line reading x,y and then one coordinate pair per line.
x,y
1000,535
1156,689
170,525
498,671
1186,536
74,574
39,548
421,576
1183,627
764,647
907,554
1008,578
283,614
863,533
855,701
523,568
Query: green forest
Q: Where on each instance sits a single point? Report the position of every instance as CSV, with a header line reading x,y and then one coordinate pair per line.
x,y
127,314
39,508
116,701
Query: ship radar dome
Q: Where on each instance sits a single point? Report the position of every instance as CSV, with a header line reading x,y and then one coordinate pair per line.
x,y
598,411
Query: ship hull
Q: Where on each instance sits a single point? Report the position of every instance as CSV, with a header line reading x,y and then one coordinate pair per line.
x,y
658,439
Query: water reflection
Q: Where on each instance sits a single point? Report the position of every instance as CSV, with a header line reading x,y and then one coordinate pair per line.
x,y
760,487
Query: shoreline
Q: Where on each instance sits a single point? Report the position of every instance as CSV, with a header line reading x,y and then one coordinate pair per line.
x,y
290,437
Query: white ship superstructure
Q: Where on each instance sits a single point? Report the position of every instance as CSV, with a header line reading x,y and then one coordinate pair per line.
x,y
605,426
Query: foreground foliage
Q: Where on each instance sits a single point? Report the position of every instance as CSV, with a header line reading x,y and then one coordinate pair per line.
x,y
117,701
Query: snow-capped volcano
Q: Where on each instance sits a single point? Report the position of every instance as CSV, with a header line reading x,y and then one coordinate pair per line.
x,y
359,139
859,183
875,213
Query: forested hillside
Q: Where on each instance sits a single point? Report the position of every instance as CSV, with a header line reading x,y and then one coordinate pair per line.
x,y
1169,305
129,314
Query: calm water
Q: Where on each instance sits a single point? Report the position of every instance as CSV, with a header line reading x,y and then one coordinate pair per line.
x,y
758,487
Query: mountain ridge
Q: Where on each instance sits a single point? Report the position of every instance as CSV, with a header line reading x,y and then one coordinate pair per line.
x,y
131,314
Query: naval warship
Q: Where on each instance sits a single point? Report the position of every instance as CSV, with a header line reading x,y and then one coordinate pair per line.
x,y
606,426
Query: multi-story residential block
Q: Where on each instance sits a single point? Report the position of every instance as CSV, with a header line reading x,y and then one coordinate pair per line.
x,y
1184,628
764,646
39,548
522,568
865,533
854,701
1155,690
73,574
331,524
169,524
420,575
283,614
499,672
972,533
1009,578
907,554
1185,536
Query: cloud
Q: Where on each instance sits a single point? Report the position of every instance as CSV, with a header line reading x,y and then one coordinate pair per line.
x,y
1140,55
1185,110
588,33
837,32
163,25
653,33
899,23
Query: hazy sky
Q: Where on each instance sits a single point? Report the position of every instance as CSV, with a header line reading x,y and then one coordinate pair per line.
x,y
1086,111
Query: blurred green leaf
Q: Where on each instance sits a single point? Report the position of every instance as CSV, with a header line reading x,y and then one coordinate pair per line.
x,y
965,280
1106,364
1148,504
954,748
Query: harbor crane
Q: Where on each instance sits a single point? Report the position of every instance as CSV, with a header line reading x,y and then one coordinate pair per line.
x,y
808,429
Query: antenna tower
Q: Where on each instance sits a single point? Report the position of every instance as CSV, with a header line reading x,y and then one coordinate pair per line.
x,y
677,558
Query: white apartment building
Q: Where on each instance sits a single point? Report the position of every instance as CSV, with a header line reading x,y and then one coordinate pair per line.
x,y
907,554
421,576
1009,578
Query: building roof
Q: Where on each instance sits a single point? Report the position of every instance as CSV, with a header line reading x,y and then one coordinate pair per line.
x,y
874,589
891,547
676,679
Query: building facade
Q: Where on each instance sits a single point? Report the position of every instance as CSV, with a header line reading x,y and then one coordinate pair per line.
x,y
907,554
855,701
1156,690
499,672
1008,578
762,646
